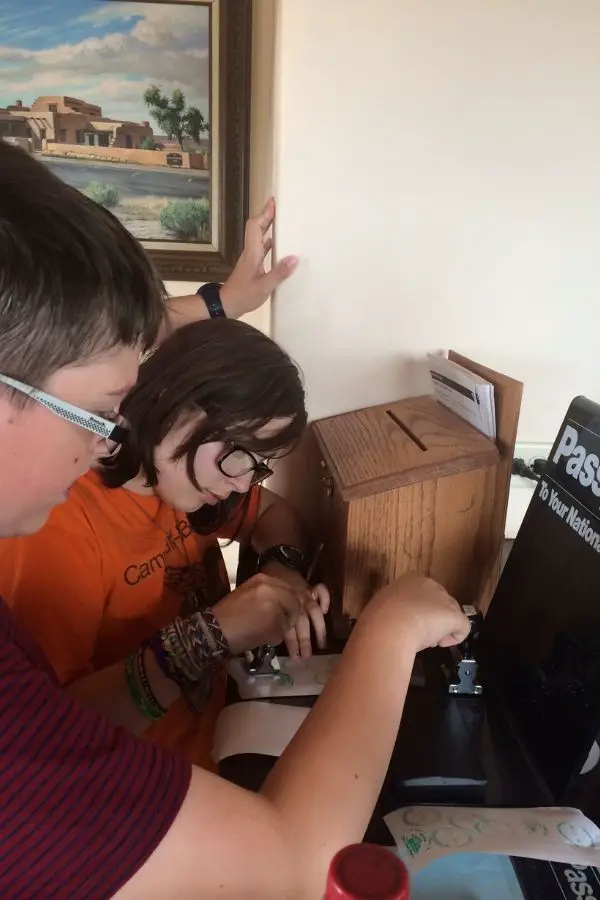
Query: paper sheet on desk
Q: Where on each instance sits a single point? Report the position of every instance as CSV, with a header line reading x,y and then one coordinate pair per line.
x,y
300,678
426,833
256,728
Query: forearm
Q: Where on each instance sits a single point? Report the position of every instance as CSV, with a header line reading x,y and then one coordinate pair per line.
x,y
182,311
278,523
343,749
106,691
192,308
178,659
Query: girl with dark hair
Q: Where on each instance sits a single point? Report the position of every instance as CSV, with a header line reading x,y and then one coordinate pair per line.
x,y
135,544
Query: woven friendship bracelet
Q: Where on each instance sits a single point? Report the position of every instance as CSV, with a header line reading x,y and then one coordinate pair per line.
x,y
163,654
210,623
187,648
182,658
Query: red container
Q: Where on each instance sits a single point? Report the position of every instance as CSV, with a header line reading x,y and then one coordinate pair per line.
x,y
366,872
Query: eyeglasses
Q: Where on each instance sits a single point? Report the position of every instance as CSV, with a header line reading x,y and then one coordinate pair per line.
x,y
113,433
236,462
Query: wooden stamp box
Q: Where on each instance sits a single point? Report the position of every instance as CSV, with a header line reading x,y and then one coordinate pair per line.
x,y
409,486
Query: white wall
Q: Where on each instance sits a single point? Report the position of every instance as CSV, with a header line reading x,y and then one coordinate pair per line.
x,y
437,166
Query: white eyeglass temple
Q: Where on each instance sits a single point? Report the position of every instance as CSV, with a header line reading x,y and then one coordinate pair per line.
x,y
63,409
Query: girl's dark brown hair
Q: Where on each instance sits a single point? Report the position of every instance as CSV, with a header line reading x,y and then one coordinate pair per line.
x,y
227,380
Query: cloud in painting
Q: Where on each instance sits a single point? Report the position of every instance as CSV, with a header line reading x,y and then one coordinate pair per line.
x,y
101,13
125,47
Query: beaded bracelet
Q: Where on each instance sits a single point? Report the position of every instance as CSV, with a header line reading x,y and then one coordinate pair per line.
x,y
139,687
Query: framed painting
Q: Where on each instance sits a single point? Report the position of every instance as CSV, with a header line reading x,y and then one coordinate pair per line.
x,y
144,105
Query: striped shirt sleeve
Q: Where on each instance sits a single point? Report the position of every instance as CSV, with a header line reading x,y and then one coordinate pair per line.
x,y
84,804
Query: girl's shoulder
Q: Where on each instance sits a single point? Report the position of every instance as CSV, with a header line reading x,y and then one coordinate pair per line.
x,y
85,506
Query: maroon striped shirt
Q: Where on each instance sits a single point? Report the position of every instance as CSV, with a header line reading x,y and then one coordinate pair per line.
x,y
83,803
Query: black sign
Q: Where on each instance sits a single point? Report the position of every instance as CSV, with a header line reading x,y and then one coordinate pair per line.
x,y
541,642
556,881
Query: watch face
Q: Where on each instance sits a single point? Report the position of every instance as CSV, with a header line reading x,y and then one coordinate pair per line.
x,y
287,556
291,554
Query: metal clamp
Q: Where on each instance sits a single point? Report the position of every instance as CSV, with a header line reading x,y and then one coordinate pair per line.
x,y
463,680
262,662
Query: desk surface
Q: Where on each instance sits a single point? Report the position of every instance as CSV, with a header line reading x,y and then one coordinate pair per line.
x,y
460,733
510,781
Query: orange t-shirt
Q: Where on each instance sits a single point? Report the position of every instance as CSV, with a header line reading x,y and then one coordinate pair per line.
x,y
108,570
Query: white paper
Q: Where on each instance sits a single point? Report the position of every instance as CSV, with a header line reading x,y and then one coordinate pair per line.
x,y
466,394
426,833
298,678
256,728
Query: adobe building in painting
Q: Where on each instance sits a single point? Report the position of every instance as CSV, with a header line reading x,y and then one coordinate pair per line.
x,y
71,127
69,120
14,129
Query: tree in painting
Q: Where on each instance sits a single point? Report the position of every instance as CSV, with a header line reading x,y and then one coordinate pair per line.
x,y
175,118
195,124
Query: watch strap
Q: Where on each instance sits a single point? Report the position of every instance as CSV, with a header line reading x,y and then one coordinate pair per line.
x,y
286,555
211,294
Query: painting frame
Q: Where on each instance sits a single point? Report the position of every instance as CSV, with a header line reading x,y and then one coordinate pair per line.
x,y
233,141
185,64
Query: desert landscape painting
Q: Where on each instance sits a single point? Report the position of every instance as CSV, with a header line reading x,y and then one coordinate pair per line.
x,y
114,97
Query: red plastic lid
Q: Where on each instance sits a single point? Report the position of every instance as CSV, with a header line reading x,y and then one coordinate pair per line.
x,y
366,872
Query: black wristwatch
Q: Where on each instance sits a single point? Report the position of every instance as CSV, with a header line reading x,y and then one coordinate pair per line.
x,y
287,556
211,294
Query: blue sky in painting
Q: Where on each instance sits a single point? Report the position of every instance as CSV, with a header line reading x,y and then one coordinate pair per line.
x,y
42,25
104,51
